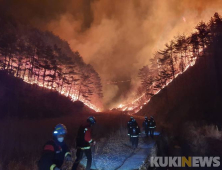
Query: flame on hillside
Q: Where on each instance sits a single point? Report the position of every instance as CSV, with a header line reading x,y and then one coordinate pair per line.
x,y
66,90
137,104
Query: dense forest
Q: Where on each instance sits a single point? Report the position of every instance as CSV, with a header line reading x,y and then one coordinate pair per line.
x,y
178,55
44,59
188,110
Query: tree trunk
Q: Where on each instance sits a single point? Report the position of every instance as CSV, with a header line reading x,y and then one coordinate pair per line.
x,y
79,92
44,78
5,62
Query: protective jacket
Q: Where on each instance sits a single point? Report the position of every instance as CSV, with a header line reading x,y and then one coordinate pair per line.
x,y
130,124
53,155
146,124
134,131
84,136
152,123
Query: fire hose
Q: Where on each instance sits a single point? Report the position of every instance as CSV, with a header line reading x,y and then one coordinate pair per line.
x,y
93,160
93,156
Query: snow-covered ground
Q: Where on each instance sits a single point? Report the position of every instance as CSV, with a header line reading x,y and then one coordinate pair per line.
x,y
116,153
138,157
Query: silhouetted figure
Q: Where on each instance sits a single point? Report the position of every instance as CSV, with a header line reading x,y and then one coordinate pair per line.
x,y
130,123
83,142
152,126
55,150
134,134
146,125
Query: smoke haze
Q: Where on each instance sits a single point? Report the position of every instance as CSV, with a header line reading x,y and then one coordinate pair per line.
x,y
117,37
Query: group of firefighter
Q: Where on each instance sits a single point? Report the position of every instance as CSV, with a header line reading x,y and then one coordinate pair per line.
x,y
56,151
149,126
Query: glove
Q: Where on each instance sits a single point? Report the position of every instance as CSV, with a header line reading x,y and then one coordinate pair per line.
x,y
56,168
68,158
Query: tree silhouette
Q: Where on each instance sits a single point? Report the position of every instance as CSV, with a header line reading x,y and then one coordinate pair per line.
x,y
146,80
168,59
182,53
46,60
202,34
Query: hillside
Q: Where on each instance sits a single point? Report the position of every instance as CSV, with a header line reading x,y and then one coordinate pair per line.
x,y
192,96
42,58
195,95
188,110
21,100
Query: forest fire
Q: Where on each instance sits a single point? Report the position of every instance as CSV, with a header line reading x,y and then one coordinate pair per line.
x,y
72,96
138,103
42,58
45,60
64,64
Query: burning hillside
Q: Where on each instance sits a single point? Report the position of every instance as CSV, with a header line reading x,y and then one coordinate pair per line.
x,y
43,59
176,58
116,37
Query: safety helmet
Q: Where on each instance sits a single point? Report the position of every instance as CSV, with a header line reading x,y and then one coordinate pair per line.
x,y
91,120
60,129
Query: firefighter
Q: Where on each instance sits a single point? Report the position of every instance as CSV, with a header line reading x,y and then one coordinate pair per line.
x,y
131,122
55,151
134,134
146,125
83,142
152,126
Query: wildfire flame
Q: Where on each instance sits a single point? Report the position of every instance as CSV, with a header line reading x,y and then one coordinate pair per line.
x,y
72,93
73,96
135,106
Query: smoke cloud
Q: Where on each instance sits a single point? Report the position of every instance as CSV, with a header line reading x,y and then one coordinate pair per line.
x,y
117,37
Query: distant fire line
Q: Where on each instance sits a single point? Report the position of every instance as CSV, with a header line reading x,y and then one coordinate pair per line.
x,y
74,97
133,107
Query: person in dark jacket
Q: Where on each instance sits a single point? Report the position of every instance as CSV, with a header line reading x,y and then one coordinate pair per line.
x,y
152,126
83,142
134,134
146,124
55,151
130,123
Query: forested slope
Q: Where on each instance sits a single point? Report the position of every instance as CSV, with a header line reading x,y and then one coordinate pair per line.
x,y
21,100
43,59
196,94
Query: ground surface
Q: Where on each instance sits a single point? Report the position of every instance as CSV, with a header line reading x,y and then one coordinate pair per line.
x,y
112,150
119,155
